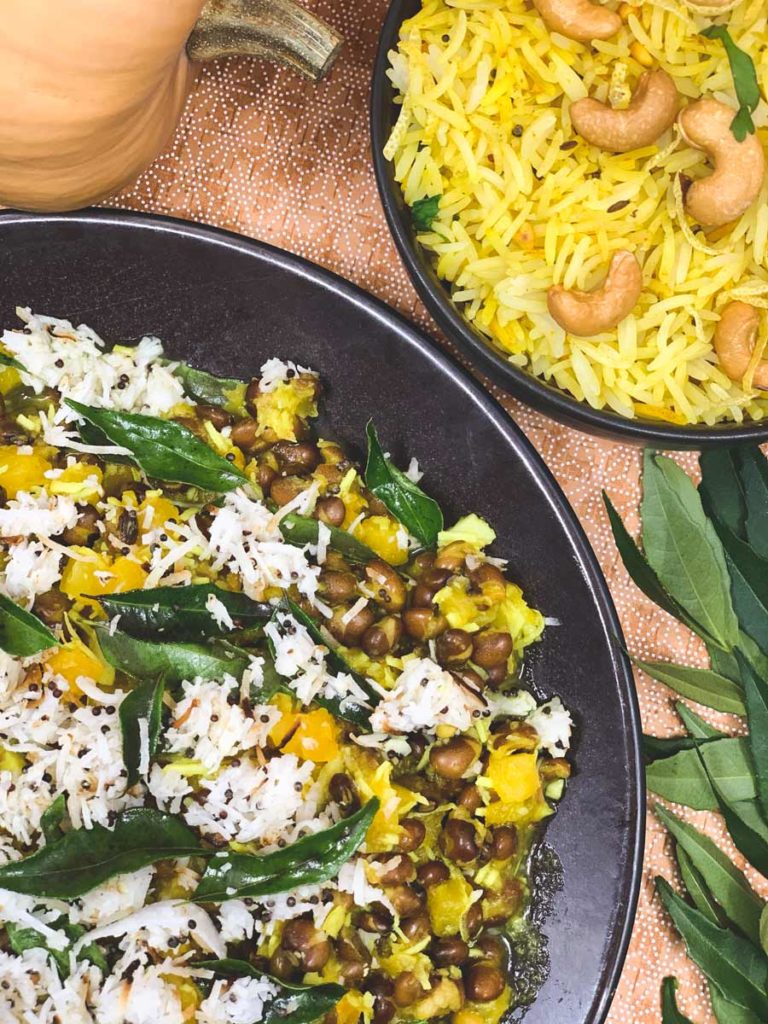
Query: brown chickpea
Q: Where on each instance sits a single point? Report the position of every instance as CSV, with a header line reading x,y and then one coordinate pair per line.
x,y
296,458
401,871
450,951
504,843
312,948
452,557
407,989
468,677
473,919
352,972
452,759
455,645
417,927
457,840
405,900
432,872
424,623
51,607
436,578
191,424
422,596
338,586
494,951
285,489
343,791
383,1010
377,919
470,798
245,435
379,984
387,586
382,637
215,415
496,677
331,511
251,394
483,983
487,573
422,563
84,531
499,905
491,649
349,632
265,477
412,836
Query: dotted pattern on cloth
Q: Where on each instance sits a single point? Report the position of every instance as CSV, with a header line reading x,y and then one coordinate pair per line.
x,y
261,152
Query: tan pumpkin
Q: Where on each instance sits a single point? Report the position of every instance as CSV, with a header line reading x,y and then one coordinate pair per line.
x,y
91,90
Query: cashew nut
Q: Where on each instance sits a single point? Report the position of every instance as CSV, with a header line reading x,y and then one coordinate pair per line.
x,y
739,170
652,110
578,19
734,343
588,313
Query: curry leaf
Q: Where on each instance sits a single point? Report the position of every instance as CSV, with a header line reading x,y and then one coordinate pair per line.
x,y
669,1011
764,929
182,613
84,858
147,659
301,530
52,817
655,748
722,488
700,684
163,449
727,885
728,1013
744,81
696,887
204,387
695,724
424,211
419,514
643,575
683,549
310,860
756,694
730,962
682,779
294,1004
21,632
143,704
753,475
749,585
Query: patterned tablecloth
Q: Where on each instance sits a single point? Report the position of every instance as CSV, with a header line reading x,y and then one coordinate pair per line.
x,y
261,152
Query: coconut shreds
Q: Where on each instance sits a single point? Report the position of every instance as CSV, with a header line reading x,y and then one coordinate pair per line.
x,y
59,737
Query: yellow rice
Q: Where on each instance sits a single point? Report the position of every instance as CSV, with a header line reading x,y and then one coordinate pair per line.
x,y
518,213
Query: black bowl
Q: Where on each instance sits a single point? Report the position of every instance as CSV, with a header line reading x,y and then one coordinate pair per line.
x,y
474,345
226,304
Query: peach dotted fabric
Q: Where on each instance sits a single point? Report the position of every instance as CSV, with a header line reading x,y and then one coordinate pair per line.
x,y
264,153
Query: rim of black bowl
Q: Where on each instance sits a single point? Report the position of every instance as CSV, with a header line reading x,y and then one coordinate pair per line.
x,y
534,391
524,449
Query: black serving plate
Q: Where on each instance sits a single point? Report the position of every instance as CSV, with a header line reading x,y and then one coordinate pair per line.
x,y
226,304
471,343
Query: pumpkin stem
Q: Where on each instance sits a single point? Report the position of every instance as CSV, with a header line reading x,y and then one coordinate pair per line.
x,y
276,30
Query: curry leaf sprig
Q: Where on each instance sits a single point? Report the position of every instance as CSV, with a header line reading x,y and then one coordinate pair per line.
x,y
293,1004
704,560
744,81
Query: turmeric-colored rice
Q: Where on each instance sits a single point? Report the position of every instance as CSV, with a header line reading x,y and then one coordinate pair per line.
x,y
526,202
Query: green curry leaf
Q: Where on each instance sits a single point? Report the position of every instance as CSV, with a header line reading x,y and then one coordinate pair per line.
x,y
669,1011
294,1004
22,633
310,860
181,613
52,818
84,858
424,211
143,704
207,389
164,450
419,514
301,530
700,684
683,780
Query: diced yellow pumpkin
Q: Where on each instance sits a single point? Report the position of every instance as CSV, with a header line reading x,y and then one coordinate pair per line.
x,y
374,779
352,1006
447,903
11,761
515,777
384,536
21,471
315,738
190,996
288,715
9,379
81,582
277,410
73,660
72,482
162,511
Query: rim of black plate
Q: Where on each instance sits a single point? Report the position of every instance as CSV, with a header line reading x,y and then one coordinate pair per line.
x,y
534,391
523,449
